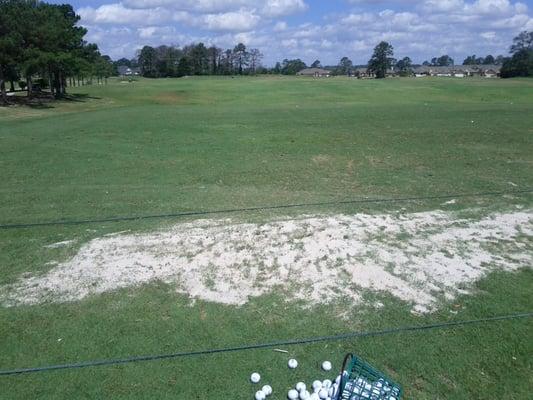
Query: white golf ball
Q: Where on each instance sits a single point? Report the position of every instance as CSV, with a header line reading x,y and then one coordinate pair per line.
x,y
260,395
255,377
300,386
293,394
326,366
267,389
323,393
317,385
292,363
304,395
314,396
326,383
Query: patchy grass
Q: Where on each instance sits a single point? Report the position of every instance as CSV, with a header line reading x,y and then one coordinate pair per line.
x,y
179,145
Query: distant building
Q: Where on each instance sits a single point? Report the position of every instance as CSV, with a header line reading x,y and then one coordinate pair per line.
x,y
315,72
127,71
458,71
363,73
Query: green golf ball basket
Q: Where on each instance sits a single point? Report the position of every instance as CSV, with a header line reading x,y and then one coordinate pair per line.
x,y
361,381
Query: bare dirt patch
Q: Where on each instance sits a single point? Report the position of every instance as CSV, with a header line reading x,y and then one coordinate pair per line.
x,y
420,258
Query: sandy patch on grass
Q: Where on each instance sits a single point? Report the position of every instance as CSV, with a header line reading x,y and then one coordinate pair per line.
x,y
420,258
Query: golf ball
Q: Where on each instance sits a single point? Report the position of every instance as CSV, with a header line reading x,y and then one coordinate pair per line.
x,y
255,377
326,383
323,393
314,396
293,394
292,363
267,389
326,366
304,395
300,386
260,395
317,385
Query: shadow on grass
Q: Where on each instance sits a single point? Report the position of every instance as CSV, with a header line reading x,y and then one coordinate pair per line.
x,y
46,100
79,97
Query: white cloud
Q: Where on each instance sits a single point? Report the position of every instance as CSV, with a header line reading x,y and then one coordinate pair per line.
x,y
280,26
419,28
118,14
278,8
238,21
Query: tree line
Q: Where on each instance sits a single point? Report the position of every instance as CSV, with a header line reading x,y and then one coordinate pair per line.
x,y
520,63
41,45
195,59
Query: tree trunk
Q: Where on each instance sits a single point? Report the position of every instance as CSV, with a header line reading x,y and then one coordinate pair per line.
x,y
3,88
12,86
63,85
3,94
51,83
29,85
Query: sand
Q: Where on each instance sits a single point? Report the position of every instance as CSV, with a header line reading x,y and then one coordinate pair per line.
x,y
421,258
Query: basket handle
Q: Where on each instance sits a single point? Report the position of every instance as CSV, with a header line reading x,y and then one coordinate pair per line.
x,y
343,368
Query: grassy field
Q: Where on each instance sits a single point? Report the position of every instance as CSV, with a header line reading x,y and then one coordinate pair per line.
x,y
167,146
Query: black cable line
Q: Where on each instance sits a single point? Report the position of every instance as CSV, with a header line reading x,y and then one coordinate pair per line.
x,y
260,208
291,342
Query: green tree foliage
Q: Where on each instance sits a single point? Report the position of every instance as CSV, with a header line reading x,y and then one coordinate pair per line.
x,y
11,43
470,60
524,41
345,66
148,62
442,61
43,41
184,67
405,66
291,67
489,60
195,59
381,60
255,60
520,64
521,61
241,58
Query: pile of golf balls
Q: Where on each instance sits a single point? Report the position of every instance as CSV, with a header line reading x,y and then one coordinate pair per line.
x,y
361,389
321,390
353,389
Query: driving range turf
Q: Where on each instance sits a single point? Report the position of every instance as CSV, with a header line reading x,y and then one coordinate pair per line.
x,y
181,145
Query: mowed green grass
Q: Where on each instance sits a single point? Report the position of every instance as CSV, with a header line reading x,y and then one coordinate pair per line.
x,y
163,146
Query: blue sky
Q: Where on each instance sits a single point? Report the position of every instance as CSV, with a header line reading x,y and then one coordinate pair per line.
x,y
310,29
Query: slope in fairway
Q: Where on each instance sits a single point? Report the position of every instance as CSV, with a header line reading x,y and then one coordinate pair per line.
x,y
166,146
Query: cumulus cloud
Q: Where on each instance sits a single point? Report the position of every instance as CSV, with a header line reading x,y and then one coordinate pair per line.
x,y
419,28
238,21
277,8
